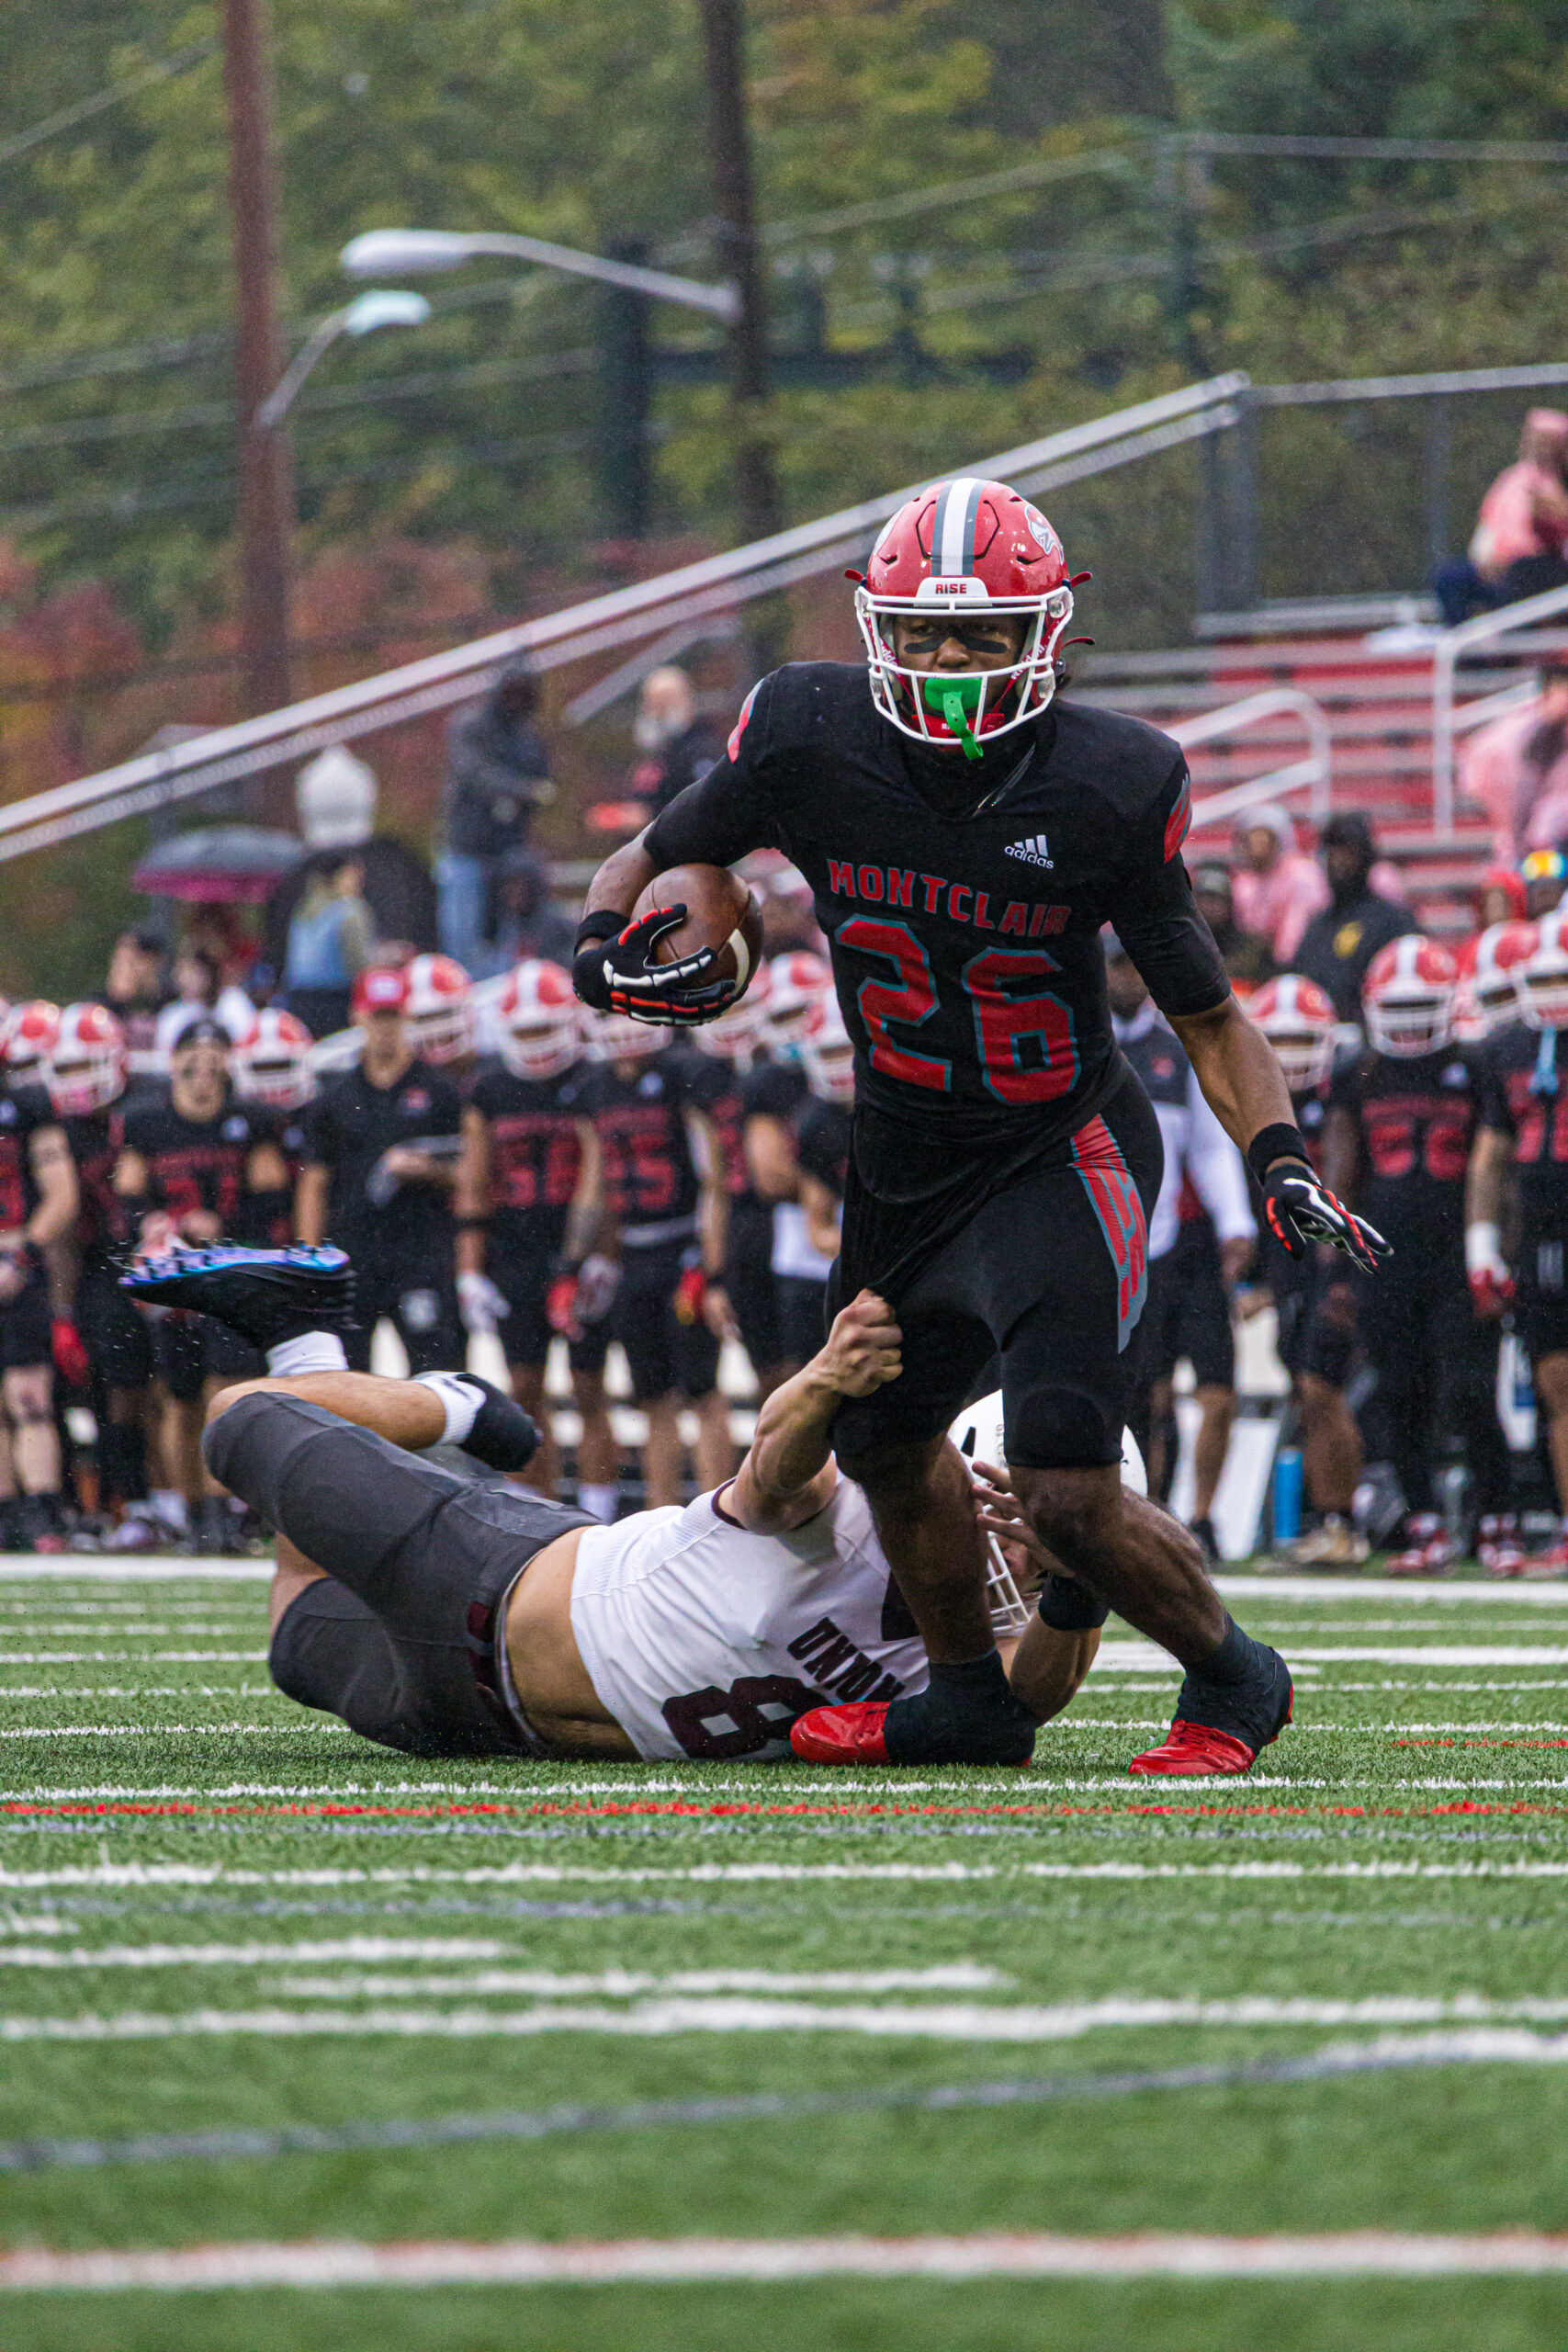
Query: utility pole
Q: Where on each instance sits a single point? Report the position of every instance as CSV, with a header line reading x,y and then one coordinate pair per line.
x,y
267,485
625,401
756,488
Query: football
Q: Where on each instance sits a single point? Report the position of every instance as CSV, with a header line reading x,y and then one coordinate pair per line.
x,y
721,913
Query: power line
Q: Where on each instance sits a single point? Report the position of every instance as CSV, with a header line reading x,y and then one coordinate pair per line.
x,y
1390,150
932,199
164,71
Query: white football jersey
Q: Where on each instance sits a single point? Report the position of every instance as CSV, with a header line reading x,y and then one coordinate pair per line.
x,y
705,1640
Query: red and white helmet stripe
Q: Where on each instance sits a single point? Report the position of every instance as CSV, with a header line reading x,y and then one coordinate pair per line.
x,y
272,1062
438,1011
1299,1022
86,1069
1407,996
539,1021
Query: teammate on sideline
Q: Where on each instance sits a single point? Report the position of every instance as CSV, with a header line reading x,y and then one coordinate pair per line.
x,y
964,842
446,1618
39,1201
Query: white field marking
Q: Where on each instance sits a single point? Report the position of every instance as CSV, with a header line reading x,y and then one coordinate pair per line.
x,y
106,1877
527,2262
25,1567
133,1657
1143,1657
139,1691
171,1731
1333,1593
368,1951
657,2019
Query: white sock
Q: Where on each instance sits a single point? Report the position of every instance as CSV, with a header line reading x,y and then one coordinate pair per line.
x,y
600,1500
461,1399
170,1507
310,1351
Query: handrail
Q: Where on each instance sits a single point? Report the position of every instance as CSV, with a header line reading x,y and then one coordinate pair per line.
x,y
1316,770
625,614
1449,649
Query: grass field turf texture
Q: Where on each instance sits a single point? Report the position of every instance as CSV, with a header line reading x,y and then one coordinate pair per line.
x,y
609,2003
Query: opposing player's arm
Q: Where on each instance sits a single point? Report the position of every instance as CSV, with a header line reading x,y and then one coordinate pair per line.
x,y
54,1171
821,1208
1051,1659
266,1170
473,1203
585,1216
311,1203
1341,1152
772,1161
1488,1188
789,1474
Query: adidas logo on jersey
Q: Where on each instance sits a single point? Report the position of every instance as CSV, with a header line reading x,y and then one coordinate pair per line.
x,y
1033,852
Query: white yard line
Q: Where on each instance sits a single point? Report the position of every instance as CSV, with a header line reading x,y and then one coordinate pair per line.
x,y
525,2262
74,1568
1322,1591
1143,1657
953,1976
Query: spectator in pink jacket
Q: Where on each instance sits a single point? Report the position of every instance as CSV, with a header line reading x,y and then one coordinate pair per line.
x,y
1517,769
1520,544
1278,890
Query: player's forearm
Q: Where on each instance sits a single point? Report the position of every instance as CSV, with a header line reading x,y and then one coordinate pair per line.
x,y
1485,1178
793,1441
310,1206
1341,1153
56,1211
1235,1067
621,880
1049,1665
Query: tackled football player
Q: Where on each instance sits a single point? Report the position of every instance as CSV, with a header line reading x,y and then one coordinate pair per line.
x,y
965,836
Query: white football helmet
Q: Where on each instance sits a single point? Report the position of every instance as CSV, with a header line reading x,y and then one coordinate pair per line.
x,y
438,1009
28,1039
737,1035
1501,952
615,1037
827,1053
1407,997
977,1434
539,1020
272,1062
85,1069
1299,1021
797,981
1543,975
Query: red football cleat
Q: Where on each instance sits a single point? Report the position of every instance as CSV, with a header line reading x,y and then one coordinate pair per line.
x,y
847,1735
1196,1747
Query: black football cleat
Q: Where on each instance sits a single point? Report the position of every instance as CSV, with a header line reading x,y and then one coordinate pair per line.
x,y
266,1295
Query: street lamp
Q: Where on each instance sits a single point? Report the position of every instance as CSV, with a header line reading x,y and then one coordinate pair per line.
x,y
362,316
400,252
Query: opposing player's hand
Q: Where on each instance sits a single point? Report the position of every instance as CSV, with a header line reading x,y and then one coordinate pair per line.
x,y
999,1512
481,1303
620,976
718,1314
1298,1211
1491,1282
863,1350
561,1306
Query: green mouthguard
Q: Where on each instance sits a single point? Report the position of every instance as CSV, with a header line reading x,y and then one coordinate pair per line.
x,y
957,700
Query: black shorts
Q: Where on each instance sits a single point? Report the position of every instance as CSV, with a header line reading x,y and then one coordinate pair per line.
x,y
418,1297
117,1336
1540,1308
753,1289
27,1326
400,1638
663,1354
803,1315
1051,1272
523,1281
1318,1320
1189,1313
191,1350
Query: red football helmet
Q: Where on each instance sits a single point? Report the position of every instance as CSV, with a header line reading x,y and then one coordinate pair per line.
x,y
965,547
1543,975
737,1036
795,982
28,1038
272,1062
539,1021
85,1069
1407,996
1299,1022
1500,955
439,1011
827,1053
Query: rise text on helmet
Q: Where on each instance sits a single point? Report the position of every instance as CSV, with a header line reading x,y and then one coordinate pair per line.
x,y
1407,996
1299,1022
540,1031
972,548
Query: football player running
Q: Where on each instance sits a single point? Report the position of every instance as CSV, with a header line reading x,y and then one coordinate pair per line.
x,y
966,837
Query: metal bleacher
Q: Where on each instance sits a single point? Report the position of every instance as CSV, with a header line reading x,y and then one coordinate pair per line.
x,y
1378,672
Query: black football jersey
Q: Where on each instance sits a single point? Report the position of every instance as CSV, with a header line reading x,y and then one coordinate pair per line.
x,y
1523,1095
535,1153
23,1111
197,1163
95,1137
825,1144
717,1087
650,1178
962,899
1159,1063
348,1129
1417,1116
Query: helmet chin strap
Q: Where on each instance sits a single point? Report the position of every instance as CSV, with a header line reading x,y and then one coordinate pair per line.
x,y
956,699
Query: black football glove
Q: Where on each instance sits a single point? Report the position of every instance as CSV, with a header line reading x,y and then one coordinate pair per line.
x,y
1300,1211
617,975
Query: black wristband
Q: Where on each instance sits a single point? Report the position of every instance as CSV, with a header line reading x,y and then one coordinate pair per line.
x,y
1277,1142
1070,1606
602,924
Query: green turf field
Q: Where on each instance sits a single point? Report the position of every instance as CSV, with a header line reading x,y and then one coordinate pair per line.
x,y
261,1981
